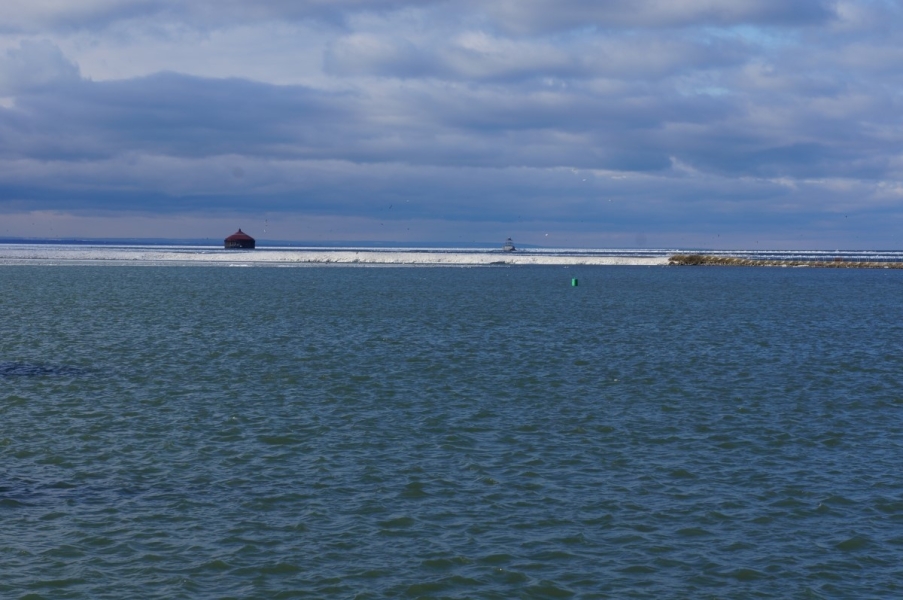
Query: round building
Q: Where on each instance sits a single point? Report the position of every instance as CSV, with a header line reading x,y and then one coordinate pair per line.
x,y
239,240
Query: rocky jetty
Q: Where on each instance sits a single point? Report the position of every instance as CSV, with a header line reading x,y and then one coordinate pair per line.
x,y
733,261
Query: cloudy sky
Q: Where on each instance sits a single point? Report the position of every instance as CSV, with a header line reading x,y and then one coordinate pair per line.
x,y
565,123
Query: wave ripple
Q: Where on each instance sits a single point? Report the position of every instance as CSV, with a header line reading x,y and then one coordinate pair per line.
x,y
457,433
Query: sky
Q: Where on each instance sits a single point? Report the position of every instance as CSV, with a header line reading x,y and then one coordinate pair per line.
x,y
560,123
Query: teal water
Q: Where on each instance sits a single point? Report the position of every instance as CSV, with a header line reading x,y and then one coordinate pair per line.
x,y
203,432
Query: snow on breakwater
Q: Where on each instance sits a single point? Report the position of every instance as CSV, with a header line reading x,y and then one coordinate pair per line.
x,y
187,255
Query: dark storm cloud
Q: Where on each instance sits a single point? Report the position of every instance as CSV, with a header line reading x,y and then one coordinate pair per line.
x,y
175,115
544,15
481,57
634,130
520,17
43,15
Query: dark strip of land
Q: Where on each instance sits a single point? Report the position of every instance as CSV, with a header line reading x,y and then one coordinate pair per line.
x,y
732,261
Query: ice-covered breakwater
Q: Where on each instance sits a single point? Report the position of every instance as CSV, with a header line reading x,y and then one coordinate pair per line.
x,y
188,255
72,254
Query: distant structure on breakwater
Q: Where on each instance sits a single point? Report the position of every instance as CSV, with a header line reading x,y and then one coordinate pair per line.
x,y
239,241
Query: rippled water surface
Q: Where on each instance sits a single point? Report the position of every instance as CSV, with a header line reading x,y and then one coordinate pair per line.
x,y
200,432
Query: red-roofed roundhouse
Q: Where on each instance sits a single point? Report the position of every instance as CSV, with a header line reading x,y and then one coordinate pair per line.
x,y
239,240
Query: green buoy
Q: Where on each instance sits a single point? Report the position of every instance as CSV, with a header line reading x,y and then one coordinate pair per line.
x,y
574,282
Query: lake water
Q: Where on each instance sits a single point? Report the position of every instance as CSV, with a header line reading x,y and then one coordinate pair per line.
x,y
655,432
